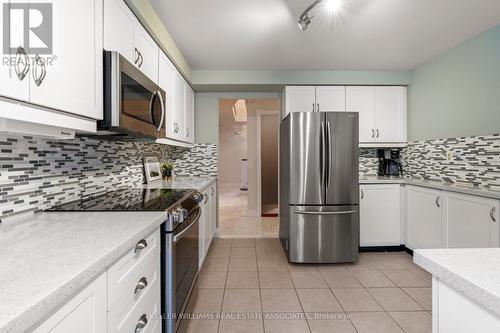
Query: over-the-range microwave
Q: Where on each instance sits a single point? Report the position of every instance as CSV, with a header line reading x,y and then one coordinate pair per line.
x,y
133,103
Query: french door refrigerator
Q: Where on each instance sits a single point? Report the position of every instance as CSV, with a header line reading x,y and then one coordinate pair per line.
x,y
319,187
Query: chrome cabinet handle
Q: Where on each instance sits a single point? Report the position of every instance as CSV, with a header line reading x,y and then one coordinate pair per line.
x,y
143,283
136,55
187,132
492,214
21,74
143,321
362,194
141,59
141,245
373,133
437,201
299,212
39,79
314,107
377,133
317,107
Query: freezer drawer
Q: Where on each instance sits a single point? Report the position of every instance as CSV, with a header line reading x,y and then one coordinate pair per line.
x,y
323,234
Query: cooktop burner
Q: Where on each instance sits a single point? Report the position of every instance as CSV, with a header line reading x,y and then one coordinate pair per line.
x,y
130,199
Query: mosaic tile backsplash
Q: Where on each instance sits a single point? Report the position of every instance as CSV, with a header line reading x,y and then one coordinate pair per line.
x,y
474,160
36,173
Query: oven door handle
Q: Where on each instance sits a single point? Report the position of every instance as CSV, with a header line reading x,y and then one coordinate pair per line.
x,y
177,237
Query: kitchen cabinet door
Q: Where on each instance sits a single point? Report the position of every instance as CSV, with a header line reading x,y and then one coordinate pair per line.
x,y
147,52
469,221
15,84
330,98
71,80
178,113
380,215
300,99
166,81
360,99
423,218
390,114
119,29
84,313
188,114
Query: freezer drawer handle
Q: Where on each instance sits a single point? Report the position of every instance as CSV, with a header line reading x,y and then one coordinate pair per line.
x,y
299,212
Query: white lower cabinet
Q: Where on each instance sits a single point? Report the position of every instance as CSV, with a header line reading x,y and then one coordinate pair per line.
x,y
469,221
208,221
423,218
84,313
123,299
380,218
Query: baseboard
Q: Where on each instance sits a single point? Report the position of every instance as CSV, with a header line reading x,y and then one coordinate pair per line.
x,y
393,248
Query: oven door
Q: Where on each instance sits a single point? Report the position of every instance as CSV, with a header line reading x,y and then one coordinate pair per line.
x,y
180,270
133,102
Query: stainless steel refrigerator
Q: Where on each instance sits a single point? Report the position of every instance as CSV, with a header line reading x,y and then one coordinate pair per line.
x,y
319,187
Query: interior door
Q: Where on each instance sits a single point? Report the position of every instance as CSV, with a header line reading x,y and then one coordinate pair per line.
x,y
307,158
342,142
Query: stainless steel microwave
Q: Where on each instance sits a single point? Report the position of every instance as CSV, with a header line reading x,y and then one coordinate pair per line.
x,y
133,103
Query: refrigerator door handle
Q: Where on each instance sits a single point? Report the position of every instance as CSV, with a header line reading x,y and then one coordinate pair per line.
x,y
344,212
329,153
323,155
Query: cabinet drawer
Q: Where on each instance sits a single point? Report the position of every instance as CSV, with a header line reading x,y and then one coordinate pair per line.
x,y
126,318
124,275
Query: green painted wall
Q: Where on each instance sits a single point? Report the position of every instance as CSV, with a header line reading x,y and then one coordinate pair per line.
x,y
457,93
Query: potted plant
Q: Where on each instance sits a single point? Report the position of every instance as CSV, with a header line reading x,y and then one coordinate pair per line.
x,y
166,170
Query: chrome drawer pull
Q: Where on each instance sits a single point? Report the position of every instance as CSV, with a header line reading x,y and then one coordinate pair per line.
x,y
141,245
437,201
143,321
362,194
492,214
143,283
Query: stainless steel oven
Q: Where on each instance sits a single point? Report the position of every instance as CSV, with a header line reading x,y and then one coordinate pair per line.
x,y
180,265
133,103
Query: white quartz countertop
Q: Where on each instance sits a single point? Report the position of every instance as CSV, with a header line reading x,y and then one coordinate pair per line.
x,y
184,183
473,272
438,185
48,257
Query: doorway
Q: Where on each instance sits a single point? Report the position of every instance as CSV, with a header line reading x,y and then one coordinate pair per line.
x,y
244,124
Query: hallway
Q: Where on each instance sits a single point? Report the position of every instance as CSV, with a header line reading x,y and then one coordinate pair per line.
x,y
234,221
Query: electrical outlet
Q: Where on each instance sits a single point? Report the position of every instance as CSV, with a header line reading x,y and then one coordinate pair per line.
x,y
449,155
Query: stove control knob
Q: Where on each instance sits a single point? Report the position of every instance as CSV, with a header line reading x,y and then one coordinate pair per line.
x,y
176,217
198,197
184,213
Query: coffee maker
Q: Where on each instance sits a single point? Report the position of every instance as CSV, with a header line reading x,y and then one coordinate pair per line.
x,y
389,162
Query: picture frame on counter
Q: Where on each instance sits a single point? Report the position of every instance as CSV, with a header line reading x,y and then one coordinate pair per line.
x,y
151,168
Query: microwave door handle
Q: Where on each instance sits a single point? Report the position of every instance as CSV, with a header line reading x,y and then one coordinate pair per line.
x,y
151,108
162,105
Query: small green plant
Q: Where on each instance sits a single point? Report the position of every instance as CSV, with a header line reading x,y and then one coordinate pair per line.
x,y
166,169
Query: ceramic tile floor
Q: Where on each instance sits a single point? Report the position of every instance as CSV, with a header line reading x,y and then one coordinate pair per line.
x,y
247,285
234,220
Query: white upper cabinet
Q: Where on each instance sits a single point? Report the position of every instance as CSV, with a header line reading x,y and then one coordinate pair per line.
x,y
330,98
147,52
177,125
299,99
125,34
380,215
15,77
188,113
423,218
71,80
360,99
382,117
469,221
390,114
119,29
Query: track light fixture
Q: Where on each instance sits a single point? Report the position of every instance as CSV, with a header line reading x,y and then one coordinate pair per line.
x,y
304,18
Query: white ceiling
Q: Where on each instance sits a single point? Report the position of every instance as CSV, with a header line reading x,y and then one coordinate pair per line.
x,y
367,35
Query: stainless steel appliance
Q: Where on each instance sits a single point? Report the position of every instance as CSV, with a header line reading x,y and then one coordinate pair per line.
x,y
319,187
180,236
133,103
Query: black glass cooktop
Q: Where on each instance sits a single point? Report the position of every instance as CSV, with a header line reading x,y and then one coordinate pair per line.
x,y
133,199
